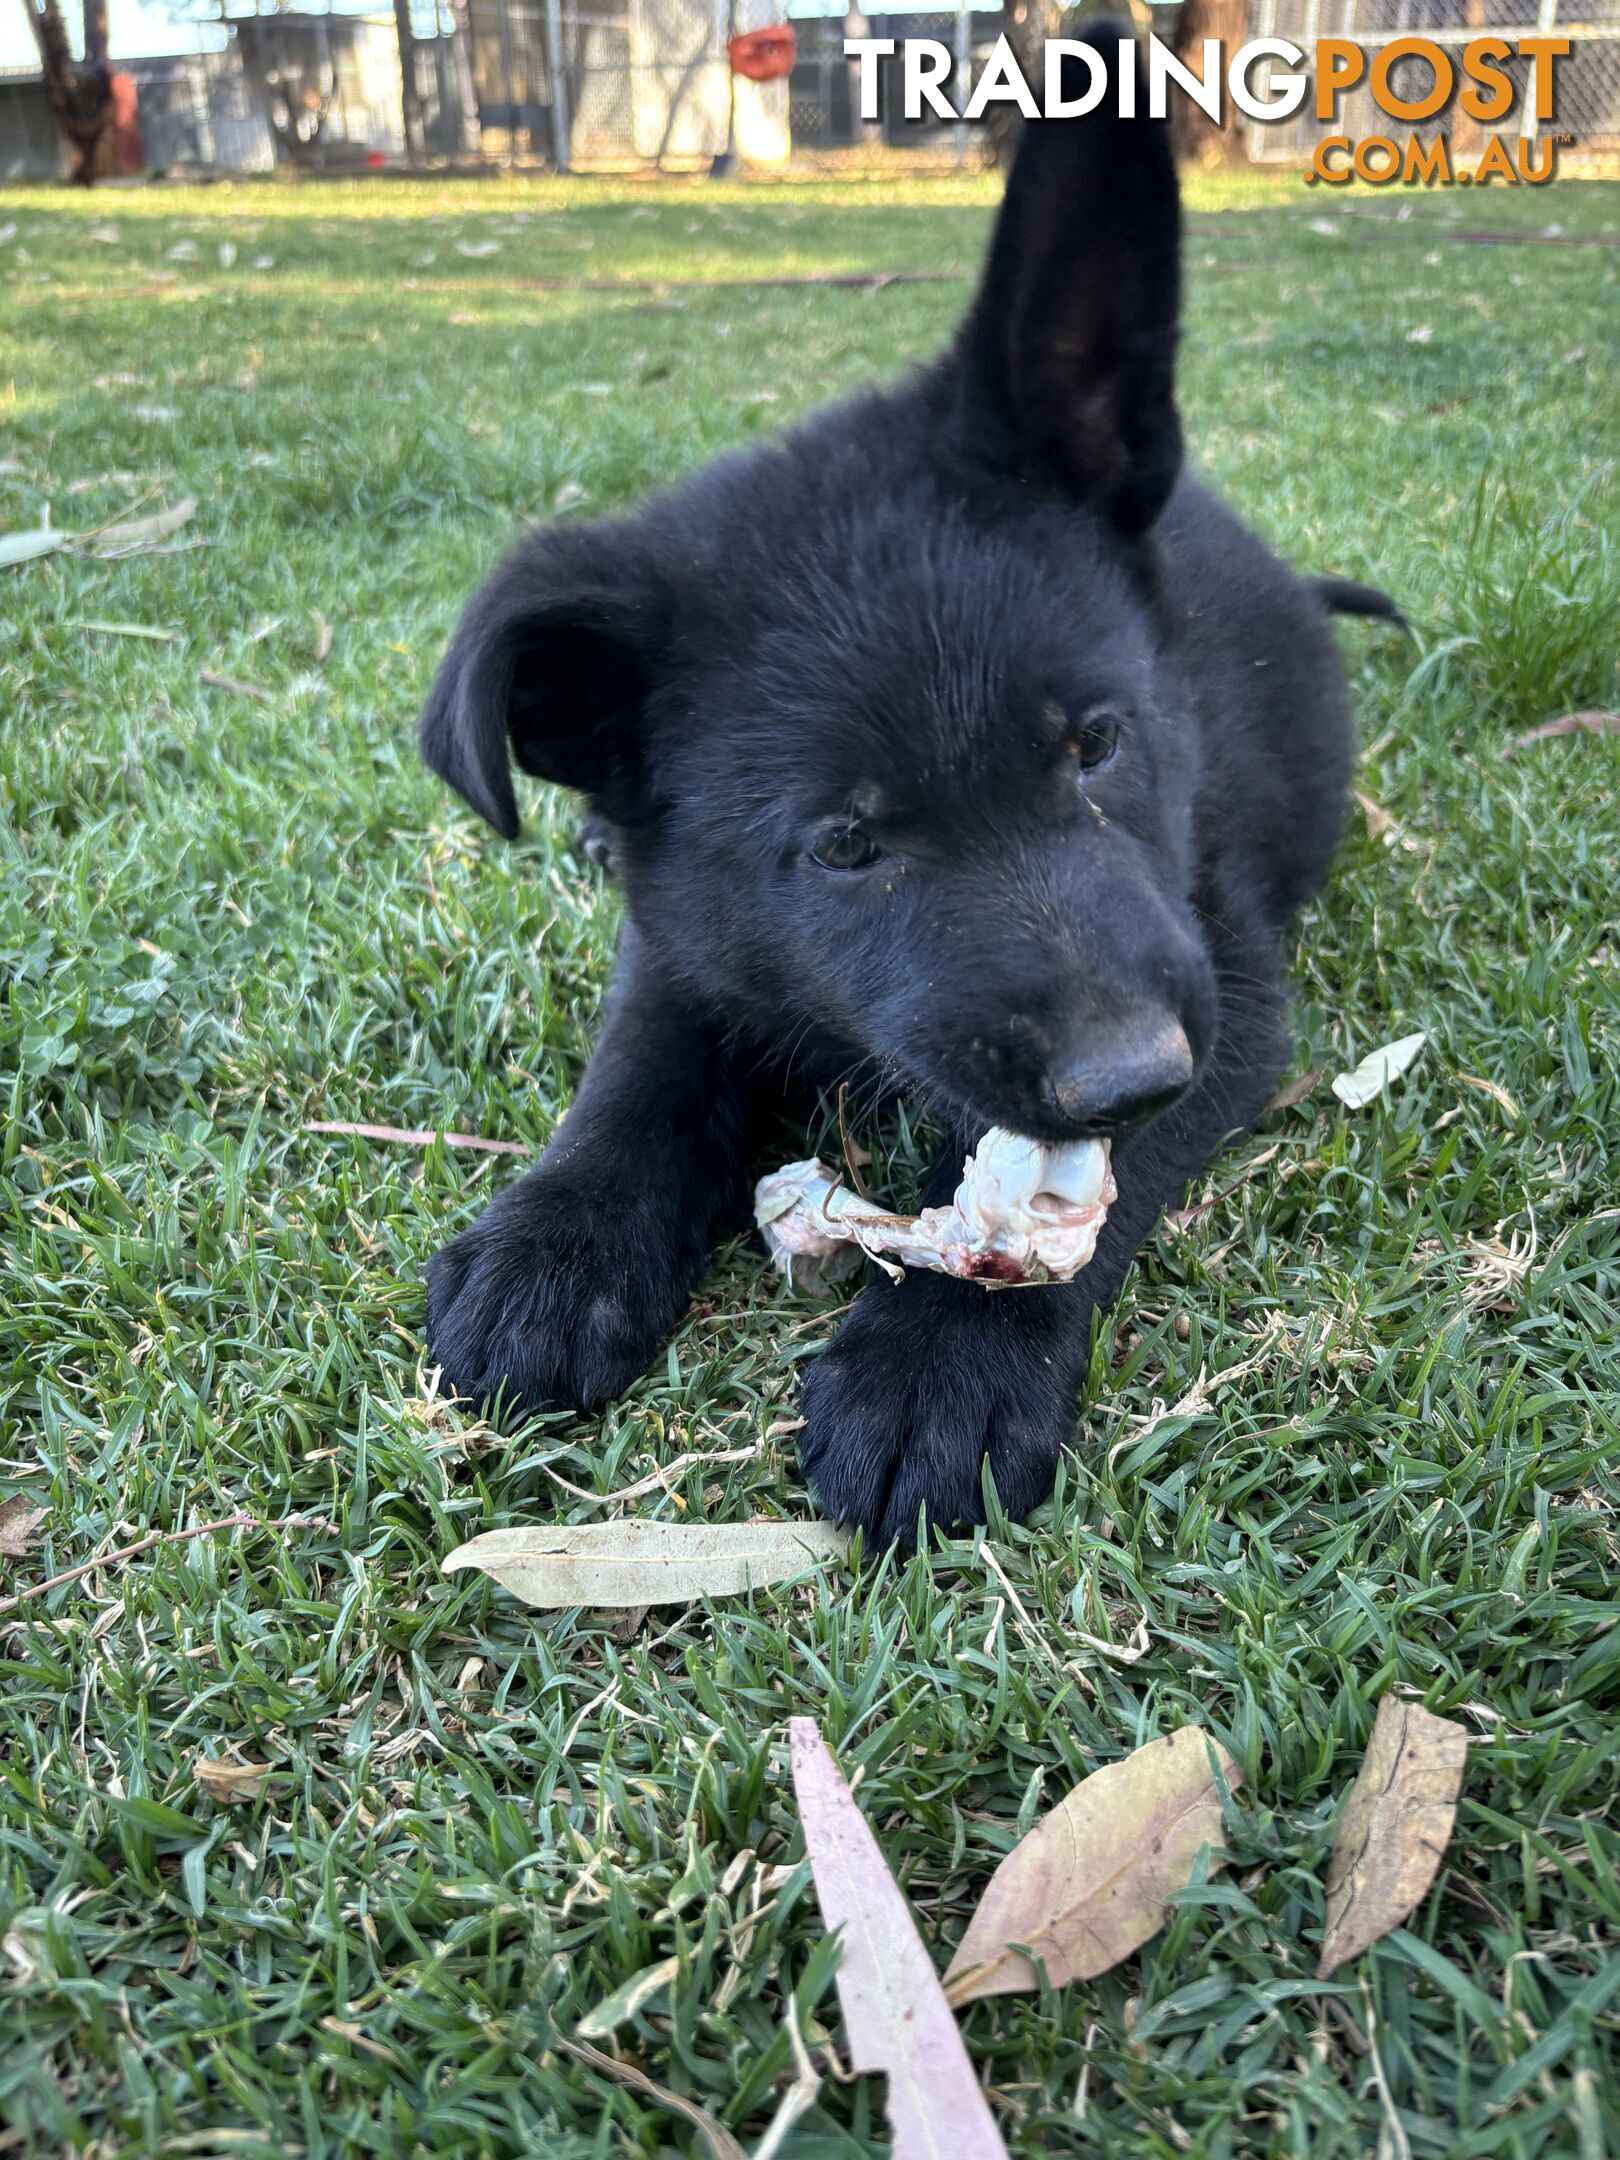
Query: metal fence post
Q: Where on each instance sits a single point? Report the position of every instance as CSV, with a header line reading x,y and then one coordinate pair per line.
x,y
1546,23
559,87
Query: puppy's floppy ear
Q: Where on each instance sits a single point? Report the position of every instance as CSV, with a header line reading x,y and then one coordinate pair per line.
x,y
551,664
1069,350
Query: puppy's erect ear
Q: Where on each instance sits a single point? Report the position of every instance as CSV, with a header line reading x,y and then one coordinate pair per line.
x,y
1069,350
551,665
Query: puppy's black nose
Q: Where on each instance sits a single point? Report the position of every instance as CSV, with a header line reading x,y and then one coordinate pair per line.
x,y
1123,1073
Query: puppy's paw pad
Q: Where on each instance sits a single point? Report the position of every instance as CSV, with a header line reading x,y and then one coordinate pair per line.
x,y
902,1412
540,1303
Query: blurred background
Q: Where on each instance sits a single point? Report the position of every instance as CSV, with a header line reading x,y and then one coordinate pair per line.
x,y
182,86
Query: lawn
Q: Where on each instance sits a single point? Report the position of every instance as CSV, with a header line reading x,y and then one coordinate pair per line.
x,y
228,911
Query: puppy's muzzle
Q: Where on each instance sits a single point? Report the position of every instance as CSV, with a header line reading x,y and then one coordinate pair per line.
x,y
1125,1072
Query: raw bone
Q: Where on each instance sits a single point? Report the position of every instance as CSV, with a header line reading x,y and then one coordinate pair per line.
x,y
1023,1213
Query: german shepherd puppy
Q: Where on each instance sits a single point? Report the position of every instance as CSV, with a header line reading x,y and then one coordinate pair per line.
x,y
959,740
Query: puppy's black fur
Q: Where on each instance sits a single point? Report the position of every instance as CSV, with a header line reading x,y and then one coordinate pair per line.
x,y
960,740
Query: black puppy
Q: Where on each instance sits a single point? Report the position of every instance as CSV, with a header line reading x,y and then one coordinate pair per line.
x,y
958,740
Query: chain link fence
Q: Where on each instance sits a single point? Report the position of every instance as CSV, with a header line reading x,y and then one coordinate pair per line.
x,y
636,84
1587,83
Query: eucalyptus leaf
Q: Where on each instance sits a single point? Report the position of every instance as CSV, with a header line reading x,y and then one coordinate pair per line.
x,y
628,1563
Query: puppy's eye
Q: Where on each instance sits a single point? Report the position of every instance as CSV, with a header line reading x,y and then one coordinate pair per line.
x,y
1098,738
845,847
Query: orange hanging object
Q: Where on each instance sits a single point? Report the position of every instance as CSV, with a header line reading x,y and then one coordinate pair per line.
x,y
764,55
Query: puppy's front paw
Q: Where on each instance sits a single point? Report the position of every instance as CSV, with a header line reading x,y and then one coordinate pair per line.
x,y
924,1380
553,1299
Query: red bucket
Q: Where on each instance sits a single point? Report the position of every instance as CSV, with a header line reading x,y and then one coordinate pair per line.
x,y
764,55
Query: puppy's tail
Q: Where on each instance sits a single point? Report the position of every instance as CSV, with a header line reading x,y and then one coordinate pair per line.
x,y
1343,596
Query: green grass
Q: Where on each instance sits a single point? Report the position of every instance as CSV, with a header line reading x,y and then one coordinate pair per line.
x,y
221,917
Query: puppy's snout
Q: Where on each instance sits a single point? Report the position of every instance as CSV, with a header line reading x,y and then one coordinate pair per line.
x,y
1125,1072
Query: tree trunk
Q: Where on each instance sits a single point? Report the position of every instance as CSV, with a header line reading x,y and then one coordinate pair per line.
x,y
1028,25
410,104
1197,137
80,91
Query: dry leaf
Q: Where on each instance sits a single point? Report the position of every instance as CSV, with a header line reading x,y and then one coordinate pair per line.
x,y
621,2006
1088,1884
1392,1833
323,635
404,1138
21,547
646,1563
19,1527
1376,1070
148,631
141,532
1291,1096
216,681
1572,723
896,2018
228,1781
719,2140
1381,823
1496,1092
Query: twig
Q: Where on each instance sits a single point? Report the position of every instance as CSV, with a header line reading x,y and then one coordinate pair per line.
x,y
800,2096
1534,239
845,280
1179,1218
659,1480
164,1537
850,1164
1573,723
216,681
1032,1633
722,2145
403,1138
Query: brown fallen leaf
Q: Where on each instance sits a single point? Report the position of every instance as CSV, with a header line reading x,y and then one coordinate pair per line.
x,y
19,1527
130,536
1296,1092
1570,723
216,681
402,1137
1088,1885
356,2035
1381,823
635,1562
228,1781
1392,1832
719,2140
896,2018
1497,1093
27,546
